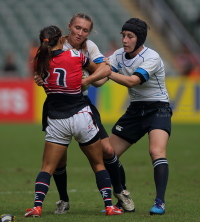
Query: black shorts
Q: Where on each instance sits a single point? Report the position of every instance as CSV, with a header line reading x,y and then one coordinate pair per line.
x,y
102,132
142,117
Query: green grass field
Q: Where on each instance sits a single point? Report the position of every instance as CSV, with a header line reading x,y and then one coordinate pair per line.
x,y
20,162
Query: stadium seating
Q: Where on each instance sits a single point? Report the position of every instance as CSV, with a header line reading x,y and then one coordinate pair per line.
x,y
21,20
188,13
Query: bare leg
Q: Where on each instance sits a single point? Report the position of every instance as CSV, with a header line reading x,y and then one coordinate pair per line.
x,y
52,155
119,145
94,154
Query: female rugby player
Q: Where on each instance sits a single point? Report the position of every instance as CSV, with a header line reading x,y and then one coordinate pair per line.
x,y
142,70
79,28
68,115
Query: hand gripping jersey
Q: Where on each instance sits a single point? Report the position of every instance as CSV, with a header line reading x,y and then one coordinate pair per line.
x,y
63,83
92,53
149,67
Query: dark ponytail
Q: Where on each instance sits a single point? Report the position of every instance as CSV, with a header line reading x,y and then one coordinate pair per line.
x,y
49,37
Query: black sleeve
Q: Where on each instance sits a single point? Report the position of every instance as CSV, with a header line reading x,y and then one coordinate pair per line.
x,y
45,112
87,63
140,76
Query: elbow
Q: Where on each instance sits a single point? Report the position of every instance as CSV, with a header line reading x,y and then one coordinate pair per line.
x,y
131,84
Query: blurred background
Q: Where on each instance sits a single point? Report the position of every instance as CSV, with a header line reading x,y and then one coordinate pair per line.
x,y
174,33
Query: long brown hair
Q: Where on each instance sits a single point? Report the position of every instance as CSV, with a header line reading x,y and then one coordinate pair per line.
x,y
48,38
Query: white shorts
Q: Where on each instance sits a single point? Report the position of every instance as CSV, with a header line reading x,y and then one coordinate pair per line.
x,y
80,125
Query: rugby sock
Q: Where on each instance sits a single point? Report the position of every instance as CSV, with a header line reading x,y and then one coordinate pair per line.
x,y
122,175
104,185
113,170
160,177
60,178
41,188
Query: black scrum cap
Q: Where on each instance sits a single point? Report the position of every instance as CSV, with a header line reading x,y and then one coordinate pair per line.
x,y
139,28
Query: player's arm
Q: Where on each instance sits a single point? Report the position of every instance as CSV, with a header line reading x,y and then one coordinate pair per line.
x,y
38,80
128,81
101,72
101,81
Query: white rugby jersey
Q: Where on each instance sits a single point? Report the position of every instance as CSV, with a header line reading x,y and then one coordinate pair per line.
x,y
92,53
149,64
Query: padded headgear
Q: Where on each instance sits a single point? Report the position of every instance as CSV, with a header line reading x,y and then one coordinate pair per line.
x,y
139,28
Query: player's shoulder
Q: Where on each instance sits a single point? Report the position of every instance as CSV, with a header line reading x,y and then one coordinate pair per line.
x,y
148,53
66,46
74,53
71,53
90,43
118,52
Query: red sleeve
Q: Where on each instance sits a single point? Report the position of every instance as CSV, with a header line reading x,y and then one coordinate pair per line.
x,y
84,60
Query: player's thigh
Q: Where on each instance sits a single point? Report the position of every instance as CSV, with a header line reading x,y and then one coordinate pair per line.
x,y
158,140
58,132
94,154
126,131
118,144
52,155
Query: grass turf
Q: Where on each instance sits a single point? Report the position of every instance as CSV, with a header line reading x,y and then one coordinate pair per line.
x,y
21,156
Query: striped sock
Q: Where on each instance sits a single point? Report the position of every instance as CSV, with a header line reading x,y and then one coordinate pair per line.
x,y
104,186
122,175
41,188
161,172
113,170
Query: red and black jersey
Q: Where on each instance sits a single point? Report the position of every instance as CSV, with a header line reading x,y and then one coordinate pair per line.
x,y
63,84
65,74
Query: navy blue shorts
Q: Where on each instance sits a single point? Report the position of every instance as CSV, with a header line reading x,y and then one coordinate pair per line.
x,y
142,117
102,132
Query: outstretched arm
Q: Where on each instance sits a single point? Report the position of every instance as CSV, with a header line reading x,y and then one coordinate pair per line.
x,y
100,82
100,73
128,81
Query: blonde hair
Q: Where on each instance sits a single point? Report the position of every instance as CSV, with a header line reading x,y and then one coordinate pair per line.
x,y
83,45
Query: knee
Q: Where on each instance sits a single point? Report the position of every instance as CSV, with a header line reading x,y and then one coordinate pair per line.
x,y
156,153
108,152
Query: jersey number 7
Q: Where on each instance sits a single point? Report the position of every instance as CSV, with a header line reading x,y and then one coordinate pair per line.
x,y
61,77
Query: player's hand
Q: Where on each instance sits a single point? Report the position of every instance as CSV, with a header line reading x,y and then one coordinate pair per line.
x,y
107,61
38,80
84,84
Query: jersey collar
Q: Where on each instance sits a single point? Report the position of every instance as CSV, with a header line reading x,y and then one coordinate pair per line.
x,y
129,61
56,52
